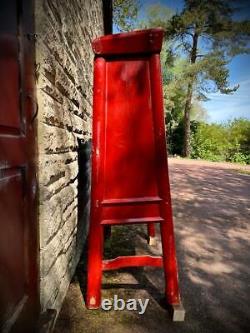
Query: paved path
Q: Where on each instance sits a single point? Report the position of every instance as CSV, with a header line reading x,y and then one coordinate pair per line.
x,y
211,204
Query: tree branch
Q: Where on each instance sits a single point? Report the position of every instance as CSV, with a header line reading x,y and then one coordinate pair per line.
x,y
189,33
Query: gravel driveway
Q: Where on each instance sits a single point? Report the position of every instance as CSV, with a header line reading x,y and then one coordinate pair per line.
x,y
211,204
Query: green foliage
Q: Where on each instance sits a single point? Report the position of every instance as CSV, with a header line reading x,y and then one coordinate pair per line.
x,y
176,136
198,112
209,142
207,33
239,138
227,142
199,43
125,14
156,16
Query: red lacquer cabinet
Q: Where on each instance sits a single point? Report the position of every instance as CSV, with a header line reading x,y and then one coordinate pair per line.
x,y
130,183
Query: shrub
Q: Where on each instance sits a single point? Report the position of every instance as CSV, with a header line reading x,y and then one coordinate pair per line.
x,y
222,142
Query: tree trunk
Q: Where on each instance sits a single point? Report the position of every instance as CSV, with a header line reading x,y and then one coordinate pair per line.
x,y
188,104
186,147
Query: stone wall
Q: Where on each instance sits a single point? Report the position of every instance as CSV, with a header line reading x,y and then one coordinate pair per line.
x,y
64,61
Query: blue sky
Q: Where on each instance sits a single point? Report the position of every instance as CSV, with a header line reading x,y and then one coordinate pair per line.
x,y
226,107
221,108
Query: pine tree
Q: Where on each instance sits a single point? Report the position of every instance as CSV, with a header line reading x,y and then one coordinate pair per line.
x,y
125,14
207,32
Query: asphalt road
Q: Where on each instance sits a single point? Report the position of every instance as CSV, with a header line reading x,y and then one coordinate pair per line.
x,y
211,203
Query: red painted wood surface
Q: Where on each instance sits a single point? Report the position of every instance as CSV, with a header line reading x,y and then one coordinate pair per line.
x,y
129,161
136,42
131,261
19,300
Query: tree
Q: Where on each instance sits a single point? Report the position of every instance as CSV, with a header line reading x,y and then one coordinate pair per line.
x,y
210,36
125,14
199,44
154,16
210,142
239,139
222,142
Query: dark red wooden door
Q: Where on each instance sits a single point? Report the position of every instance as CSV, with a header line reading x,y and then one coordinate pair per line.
x,y
18,238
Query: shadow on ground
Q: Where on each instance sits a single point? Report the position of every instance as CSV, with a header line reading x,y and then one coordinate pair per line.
x,y
211,211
